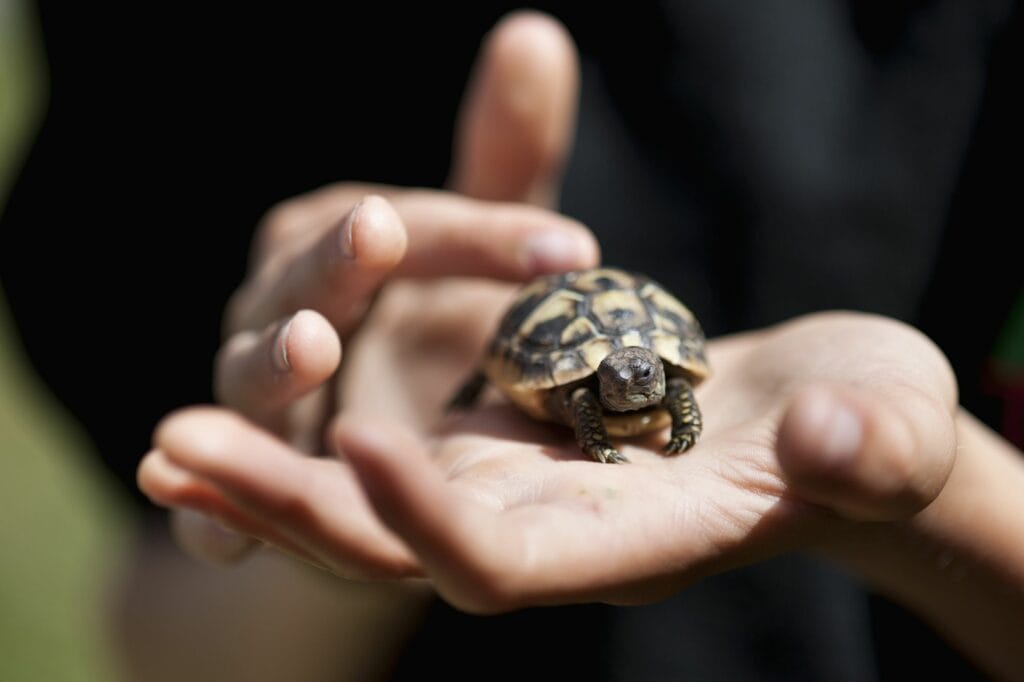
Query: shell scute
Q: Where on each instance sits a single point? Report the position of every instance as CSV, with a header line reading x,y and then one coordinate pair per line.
x,y
561,327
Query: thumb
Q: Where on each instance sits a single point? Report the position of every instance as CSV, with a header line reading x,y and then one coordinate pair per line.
x,y
866,455
518,115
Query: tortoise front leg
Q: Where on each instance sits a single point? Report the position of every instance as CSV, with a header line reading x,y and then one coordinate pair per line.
x,y
686,422
468,393
588,422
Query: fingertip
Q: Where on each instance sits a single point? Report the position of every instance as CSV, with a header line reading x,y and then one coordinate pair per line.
x,y
527,46
554,244
534,65
820,434
158,479
590,249
311,347
532,20
821,449
856,453
192,435
560,247
516,122
373,234
167,484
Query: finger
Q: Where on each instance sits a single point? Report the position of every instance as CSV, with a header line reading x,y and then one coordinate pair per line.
x,y
171,486
315,504
518,116
290,226
415,234
296,225
867,455
452,235
335,274
261,374
525,543
457,543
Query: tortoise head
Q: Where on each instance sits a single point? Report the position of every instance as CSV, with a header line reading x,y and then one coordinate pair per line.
x,y
631,378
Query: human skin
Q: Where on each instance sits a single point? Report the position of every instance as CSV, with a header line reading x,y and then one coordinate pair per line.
x,y
837,433
501,512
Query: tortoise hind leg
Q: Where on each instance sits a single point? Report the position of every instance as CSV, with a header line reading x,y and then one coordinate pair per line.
x,y
686,421
468,393
588,422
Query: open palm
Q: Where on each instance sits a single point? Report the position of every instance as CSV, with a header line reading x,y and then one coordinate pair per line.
x,y
501,511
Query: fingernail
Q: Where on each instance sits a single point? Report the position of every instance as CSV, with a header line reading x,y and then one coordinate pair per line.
x,y
348,249
839,430
280,353
554,251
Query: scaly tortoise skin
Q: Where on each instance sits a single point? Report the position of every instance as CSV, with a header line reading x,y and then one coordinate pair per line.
x,y
548,352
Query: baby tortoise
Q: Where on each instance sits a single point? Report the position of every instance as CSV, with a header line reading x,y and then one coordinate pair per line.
x,y
603,351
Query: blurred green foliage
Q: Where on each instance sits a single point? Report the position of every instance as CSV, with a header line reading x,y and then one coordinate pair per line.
x,y
1010,347
22,84
62,526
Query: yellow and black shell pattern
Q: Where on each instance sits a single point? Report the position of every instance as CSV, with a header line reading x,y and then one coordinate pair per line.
x,y
560,328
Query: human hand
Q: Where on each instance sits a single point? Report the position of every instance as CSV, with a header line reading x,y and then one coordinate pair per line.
x,y
414,346
320,260
812,428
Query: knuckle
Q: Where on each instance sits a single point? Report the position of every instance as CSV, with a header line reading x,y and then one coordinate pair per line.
x,y
229,375
237,310
280,223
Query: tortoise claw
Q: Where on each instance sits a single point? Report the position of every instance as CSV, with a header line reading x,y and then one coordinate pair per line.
x,y
609,456
681,443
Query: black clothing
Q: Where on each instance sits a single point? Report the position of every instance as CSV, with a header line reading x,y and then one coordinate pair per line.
x,y
760,159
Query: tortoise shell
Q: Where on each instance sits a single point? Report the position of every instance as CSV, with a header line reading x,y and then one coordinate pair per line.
x,y
560,328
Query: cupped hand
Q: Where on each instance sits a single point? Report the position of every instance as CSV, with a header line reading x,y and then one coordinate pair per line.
x,y
319,262
811,428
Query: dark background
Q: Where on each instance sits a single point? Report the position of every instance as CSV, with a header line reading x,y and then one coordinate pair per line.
x,y
761,159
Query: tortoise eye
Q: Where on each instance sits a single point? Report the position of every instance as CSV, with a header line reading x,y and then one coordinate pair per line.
x,y
644,374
